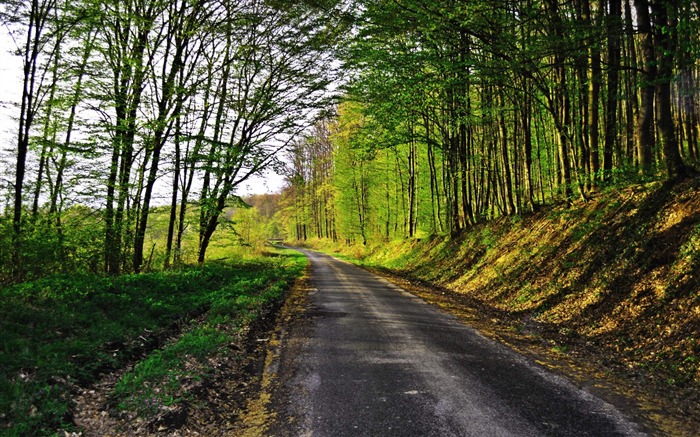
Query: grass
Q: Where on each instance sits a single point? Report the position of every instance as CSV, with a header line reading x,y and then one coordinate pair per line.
x,y
64,332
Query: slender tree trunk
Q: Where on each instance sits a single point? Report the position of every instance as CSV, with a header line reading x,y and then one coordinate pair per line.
x,y
507,180
526,122
173,197
38,16
594,92
412,189
75,99
631,100
49,134
583,15
614,27
691,120
127,58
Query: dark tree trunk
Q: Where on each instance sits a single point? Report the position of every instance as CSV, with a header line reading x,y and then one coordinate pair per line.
x,y
614,27
645,127
665,17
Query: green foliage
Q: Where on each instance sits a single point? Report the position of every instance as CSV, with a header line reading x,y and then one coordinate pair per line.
x,y
157,380
459,113
488,238
690,250
47,248
251,229
66,330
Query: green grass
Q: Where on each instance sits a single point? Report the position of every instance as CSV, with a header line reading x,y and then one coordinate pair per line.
x,y
65,331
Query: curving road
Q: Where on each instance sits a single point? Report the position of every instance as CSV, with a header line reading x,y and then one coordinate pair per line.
x,y
377,361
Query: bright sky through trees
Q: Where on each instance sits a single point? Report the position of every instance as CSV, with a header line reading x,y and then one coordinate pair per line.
x,y
10,94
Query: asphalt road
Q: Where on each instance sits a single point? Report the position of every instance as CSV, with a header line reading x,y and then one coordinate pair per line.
x,y
377,361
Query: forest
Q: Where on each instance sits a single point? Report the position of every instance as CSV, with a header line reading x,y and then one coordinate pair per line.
x,y
461,131
129,105
457,113
389,119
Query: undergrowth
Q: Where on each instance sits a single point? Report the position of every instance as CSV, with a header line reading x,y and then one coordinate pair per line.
x,y
63,332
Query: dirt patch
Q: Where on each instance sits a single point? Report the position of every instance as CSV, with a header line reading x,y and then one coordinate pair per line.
x,y
215,404
269,410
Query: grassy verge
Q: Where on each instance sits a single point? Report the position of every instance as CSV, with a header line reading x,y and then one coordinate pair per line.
x,y
64,332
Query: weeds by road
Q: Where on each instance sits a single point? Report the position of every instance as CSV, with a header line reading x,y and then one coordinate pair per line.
x,y
63,334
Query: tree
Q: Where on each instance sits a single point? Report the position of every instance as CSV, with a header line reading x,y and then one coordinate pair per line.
x,y
178,62
127,29
277,81
43,26
645,131
666,20
502,103
613,29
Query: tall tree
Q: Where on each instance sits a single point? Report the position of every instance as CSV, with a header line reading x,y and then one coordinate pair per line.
x,y
665,35
613,29
178,60
42,41
278,78
127,29
645,128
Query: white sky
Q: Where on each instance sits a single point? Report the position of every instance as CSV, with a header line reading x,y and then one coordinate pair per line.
x,y
270,183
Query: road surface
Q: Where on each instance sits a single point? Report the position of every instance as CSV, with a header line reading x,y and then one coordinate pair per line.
x,y
377,361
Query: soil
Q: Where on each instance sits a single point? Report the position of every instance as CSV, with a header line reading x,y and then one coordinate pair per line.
x,y
270,411
217,403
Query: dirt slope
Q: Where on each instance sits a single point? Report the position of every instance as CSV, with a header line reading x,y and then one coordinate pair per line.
x,y
612,283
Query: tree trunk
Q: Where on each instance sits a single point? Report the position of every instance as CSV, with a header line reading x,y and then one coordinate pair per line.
x,y
173,197
645,127
594,91
614,27
38,16
49,134
665,14
507,181
526,121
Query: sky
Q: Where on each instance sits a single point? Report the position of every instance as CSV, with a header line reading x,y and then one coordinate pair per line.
x,y
269,183
10,91
10,86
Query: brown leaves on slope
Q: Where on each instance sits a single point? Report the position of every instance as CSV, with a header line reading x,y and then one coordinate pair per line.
x,y
614,281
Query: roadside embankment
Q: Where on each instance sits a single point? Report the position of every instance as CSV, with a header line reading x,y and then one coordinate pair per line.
x,y
612,284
